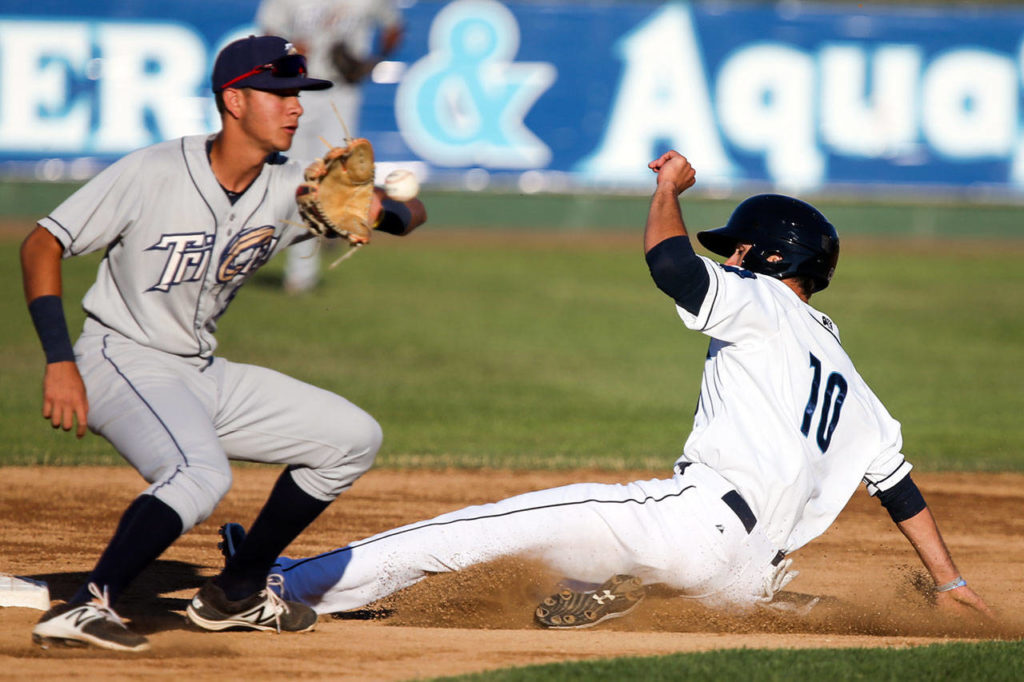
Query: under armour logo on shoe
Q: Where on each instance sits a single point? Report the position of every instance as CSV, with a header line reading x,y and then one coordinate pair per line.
x,y
721,528
604,596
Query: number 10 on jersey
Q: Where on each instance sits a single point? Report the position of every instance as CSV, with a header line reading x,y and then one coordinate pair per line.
x,y
831,404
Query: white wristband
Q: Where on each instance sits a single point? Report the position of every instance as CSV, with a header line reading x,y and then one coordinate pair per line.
x,y
959,582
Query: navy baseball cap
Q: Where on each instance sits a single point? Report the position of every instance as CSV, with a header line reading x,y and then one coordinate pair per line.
x,y
263,63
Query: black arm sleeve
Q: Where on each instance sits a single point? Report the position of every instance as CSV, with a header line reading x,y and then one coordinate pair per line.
x,y
903,500
395,217
678,272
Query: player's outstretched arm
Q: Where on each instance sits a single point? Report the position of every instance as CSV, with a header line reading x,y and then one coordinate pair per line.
x,y
923,533
396,217
664,219
64,396
674,266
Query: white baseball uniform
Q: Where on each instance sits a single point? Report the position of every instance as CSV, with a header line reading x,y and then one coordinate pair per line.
x,y
177,251
317,25
784,432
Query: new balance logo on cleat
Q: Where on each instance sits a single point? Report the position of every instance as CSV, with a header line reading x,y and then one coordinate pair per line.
x,y
576,609
259,615
93,623
210,609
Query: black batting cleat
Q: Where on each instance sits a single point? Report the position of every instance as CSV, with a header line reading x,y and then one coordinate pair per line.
x,y
568,609
210,609
93,622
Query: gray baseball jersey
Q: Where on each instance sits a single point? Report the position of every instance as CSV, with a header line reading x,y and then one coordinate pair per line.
x,y
177,249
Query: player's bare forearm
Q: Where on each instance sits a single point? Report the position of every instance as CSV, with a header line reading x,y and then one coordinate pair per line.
x,y
419,214
40,264
64,396
664,218
923,533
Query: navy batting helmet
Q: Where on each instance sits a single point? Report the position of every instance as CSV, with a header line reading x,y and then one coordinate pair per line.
x,y
788,238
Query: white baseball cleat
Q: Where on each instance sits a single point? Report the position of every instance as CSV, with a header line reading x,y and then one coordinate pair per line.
x,y
93,622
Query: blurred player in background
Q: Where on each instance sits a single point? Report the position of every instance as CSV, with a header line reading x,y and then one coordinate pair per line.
x,y
338,38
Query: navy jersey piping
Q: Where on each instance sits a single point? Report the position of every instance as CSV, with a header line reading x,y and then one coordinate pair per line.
x,y
825,327
435,524
71,238
195,317
878,484
145,402
711,306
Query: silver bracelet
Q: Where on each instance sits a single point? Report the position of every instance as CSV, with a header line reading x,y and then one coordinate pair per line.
x,y
952,585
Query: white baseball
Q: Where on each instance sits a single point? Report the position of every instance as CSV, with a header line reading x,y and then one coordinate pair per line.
x,y
401,185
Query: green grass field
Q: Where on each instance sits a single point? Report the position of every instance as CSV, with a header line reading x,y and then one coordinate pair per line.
x,y
495,348
983,662
503,351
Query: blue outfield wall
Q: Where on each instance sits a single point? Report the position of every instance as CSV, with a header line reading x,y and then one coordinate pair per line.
x,y
560,97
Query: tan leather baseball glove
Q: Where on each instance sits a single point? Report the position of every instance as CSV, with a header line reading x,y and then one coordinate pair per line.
x,y
334,200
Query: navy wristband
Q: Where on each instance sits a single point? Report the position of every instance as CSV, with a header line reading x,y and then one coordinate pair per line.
x,y
903,501
48,317
394,217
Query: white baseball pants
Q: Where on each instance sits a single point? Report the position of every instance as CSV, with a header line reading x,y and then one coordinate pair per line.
x,y
676,531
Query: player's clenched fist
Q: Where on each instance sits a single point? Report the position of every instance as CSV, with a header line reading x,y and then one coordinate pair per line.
x,y
673,169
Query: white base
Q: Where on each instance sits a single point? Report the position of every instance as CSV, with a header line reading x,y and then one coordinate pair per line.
x,y
17,591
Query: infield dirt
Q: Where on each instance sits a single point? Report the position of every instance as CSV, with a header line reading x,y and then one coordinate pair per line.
x,y
56,520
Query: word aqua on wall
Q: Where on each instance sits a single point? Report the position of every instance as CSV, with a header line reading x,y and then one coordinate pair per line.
x,y
796,108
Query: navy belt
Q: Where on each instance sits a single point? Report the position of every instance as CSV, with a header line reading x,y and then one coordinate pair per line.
x,y
740,507
742,510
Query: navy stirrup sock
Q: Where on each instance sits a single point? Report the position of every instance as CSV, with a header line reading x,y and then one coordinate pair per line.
x,y
147,528
286,514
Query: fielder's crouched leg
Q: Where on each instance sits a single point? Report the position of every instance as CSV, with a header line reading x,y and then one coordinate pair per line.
x,y
326,447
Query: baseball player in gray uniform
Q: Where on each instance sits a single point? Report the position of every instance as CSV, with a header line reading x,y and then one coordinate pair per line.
x,y
784,433
183,225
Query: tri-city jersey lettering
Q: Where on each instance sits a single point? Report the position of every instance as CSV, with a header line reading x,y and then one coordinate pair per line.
x,y
187,258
